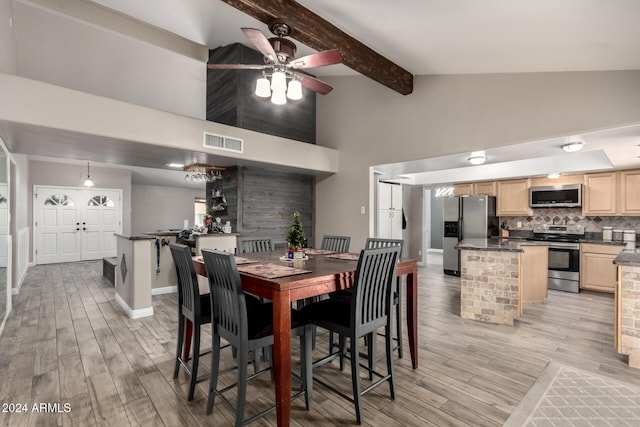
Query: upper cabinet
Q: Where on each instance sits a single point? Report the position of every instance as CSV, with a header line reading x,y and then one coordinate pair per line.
x,y
513,198
484,188
629,192
599,194
612,193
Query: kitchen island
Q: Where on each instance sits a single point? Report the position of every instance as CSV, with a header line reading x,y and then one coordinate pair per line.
x,y
627,320
498,276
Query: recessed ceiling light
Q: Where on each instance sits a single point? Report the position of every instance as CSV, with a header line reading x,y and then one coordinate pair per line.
x,y
175,165
553,175
477,160
572,147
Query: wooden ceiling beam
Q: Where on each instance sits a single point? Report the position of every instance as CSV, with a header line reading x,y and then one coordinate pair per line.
x,y
319,34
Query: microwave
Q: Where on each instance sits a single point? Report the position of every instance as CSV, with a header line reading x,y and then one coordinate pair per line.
x,y
566,196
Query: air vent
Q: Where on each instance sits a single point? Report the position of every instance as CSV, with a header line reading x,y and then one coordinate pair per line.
x,y
221,142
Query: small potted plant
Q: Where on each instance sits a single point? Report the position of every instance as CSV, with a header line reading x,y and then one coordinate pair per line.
x,y
295,238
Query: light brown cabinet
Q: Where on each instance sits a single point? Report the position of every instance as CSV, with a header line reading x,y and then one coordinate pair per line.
x,y
597,270
513,198
629,192
599,195
484,188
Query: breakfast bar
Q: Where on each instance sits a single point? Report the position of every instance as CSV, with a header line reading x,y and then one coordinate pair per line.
x,y
498,276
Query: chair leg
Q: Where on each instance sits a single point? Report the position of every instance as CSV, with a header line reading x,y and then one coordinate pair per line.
x,y
213,381
355,377
371,353
241,397
389,351
179,343
343,350
306,364
399,318
195,361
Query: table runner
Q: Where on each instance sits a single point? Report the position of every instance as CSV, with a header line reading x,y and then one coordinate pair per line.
x,y
310,251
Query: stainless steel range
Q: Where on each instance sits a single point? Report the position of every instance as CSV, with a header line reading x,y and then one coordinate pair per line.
x,y
564,254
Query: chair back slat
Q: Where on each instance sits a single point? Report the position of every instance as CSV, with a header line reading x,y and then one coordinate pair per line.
x,y
374,275
255,245
225,286
188,291
336,243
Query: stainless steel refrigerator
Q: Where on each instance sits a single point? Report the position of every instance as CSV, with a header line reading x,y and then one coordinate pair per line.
x,y
468,217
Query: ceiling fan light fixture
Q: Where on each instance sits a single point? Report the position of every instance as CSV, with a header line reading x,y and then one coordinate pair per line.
x,y
294,90
279,97
279,81
263,87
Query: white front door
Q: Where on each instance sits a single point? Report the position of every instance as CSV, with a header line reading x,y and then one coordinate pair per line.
x,y
75,224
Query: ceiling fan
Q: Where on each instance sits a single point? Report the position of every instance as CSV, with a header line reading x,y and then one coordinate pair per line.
x,y
280,64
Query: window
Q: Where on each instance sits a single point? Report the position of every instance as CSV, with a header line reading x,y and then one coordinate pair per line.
x,y
101,201
59,200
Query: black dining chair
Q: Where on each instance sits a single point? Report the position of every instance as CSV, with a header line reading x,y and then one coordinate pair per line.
x,y
363,314
248,245
192,306
372,243
248,326
335,243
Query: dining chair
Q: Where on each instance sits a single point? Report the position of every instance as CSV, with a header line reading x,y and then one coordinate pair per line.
x,y
247,326
192,306
372,243
248,245
335,243
361,315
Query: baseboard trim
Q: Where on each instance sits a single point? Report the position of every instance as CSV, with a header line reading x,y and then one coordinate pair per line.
x,y
133,314
165,290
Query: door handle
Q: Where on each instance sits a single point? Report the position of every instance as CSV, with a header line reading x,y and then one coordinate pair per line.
x,y
77,223
78,229
84,228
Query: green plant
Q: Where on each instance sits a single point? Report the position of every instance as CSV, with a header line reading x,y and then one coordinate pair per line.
x,y
295,235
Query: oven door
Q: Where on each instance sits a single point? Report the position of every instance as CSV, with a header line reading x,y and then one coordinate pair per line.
x,y
564,258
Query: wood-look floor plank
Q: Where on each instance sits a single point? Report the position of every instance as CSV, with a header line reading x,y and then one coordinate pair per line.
x,y
113,369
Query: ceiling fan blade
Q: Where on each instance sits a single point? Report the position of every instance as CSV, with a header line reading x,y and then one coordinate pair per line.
x,y
314,84
327,57
261,43
238,66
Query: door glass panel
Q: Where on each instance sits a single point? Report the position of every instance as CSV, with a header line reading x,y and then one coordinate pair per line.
x,y
559,260
59,199
101,201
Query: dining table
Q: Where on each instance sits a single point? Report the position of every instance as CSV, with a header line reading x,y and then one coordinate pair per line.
x,y
272,276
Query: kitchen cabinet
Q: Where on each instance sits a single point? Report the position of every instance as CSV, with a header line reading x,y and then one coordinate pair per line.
x,y
597,271
599,194
513,198
484,188
629,192
389,211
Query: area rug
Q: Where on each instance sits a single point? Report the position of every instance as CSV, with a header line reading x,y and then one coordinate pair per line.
x,y
566,396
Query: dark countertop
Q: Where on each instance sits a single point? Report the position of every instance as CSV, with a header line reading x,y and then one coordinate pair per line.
x,y
628,257
138,237
498,244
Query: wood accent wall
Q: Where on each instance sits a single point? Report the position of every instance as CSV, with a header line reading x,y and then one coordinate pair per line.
x,y
261,202
231,99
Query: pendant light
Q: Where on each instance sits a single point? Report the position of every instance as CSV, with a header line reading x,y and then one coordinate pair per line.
x,y
88,182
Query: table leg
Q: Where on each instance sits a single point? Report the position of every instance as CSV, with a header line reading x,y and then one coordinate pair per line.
x,y
188,334
282,356
412,315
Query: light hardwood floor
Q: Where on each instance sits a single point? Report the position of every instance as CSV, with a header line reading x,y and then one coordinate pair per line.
x,y
67,341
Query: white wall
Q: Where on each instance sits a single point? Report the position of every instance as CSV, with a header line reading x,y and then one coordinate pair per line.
x,y
161,208
370,124
70,175
8,59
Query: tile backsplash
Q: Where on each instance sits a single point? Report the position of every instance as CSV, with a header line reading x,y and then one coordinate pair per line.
x,y
591,224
